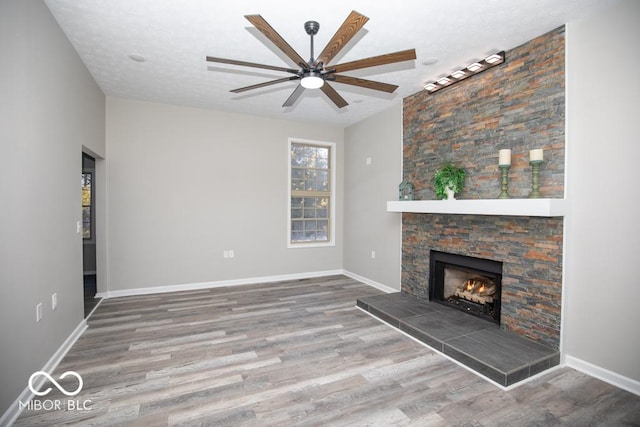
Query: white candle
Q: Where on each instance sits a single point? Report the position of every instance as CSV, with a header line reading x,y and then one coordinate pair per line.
x,y
535,155
504,158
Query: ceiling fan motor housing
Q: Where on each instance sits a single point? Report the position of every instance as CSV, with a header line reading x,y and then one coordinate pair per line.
x,y
311,27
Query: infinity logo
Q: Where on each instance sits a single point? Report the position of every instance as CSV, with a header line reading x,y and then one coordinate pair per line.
x,y
62,389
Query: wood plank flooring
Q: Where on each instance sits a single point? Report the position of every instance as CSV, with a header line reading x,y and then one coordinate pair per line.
x,y
295,353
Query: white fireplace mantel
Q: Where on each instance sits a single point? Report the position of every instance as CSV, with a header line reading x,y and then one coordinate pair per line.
x,y
507,207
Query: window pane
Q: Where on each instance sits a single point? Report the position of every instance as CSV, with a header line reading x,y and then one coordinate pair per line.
x,y
87,182
310,174
297,184
297,173
321,235
86,189
297,225
86,222
296,213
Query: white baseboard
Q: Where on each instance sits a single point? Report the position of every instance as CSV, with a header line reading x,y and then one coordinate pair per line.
x,y
14,411
380,286
216,284
625,383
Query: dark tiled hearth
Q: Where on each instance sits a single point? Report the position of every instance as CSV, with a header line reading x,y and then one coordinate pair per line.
x,y
502,356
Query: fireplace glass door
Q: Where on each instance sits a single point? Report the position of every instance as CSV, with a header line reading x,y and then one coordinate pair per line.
x,y
466,283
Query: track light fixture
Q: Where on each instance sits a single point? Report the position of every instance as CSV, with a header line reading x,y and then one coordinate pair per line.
x,y
471,70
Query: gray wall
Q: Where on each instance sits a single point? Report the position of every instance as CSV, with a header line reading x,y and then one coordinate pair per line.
x,y
186,184
601,315
367,225
50,108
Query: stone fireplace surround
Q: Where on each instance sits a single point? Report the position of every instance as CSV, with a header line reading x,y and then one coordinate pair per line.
x,y
518,105
530,249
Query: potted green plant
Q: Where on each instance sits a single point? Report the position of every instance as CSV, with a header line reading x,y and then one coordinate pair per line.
x,y
448,180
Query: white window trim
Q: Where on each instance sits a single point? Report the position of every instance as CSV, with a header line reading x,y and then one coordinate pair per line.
x,y
332,208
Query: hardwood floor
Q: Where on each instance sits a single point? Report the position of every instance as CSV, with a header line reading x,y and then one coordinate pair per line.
x,y
294,353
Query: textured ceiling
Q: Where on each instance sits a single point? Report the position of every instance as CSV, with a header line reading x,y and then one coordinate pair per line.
x,y
175,36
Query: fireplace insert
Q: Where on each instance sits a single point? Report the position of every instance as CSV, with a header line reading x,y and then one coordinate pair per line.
x,y
466,283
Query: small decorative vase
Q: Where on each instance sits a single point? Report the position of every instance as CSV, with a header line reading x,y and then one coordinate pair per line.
x,y
450,193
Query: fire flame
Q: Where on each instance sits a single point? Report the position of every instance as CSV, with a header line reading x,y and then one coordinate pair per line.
x,y
475,286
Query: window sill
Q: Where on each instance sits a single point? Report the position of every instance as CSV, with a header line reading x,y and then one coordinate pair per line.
x,y
310,245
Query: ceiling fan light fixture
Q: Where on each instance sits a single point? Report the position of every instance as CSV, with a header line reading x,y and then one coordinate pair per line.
x,y
312,81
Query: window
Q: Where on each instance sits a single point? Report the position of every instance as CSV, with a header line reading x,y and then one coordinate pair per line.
x,y
311,193
87,181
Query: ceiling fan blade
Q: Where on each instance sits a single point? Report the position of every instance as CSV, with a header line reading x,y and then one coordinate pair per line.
x,y
266,29
269,83
333,95
347,30
250,64
294,96
389,58
370,84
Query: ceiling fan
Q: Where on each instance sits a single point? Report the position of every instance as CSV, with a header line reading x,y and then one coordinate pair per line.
x,y
316,73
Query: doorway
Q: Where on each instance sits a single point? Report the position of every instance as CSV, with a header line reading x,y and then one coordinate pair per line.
x,y
89,233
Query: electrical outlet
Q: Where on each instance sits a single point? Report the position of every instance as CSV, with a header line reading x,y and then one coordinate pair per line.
x,y
54,301
367,161
225,254
231,254
373,254
39,312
